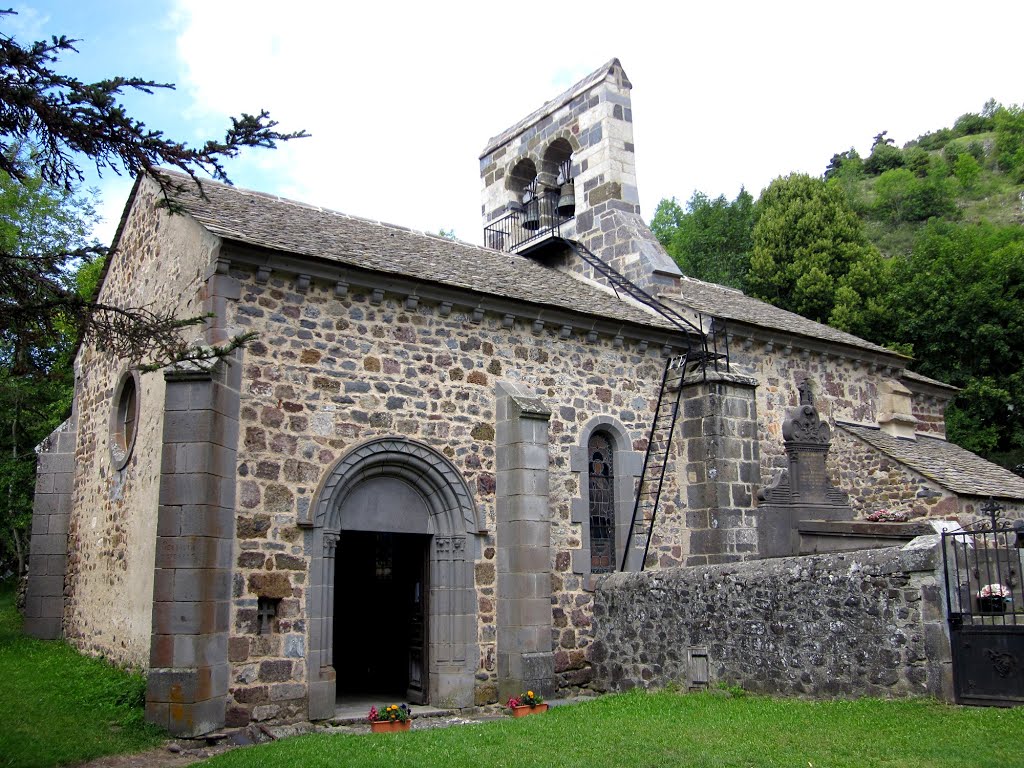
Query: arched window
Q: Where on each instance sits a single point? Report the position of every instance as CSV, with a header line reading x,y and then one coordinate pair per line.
x,y
556,165
607,470
522,177
601,487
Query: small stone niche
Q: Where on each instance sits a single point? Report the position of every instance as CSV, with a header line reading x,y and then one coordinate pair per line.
x,y
266,614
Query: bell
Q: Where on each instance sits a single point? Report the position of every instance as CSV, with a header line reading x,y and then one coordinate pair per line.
x,y
566,200
531,216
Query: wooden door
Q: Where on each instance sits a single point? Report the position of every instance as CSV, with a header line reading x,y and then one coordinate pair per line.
x,y
418,592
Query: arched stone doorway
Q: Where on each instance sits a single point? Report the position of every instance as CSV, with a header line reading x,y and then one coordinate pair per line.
x,y
399,495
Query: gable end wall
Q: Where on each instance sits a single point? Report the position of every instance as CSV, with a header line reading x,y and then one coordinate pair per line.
x,y
161,262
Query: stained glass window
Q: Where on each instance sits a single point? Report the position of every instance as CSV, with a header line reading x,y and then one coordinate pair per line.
x,y
601,478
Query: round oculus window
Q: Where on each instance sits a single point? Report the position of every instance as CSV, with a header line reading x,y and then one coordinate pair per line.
x,y
124,419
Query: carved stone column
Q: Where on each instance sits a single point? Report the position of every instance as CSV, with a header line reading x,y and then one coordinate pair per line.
x,y
322,678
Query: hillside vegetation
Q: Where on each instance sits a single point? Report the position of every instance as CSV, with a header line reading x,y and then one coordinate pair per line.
x,y
919,248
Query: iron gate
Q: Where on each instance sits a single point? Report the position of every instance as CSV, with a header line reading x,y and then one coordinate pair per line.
x,y
985,608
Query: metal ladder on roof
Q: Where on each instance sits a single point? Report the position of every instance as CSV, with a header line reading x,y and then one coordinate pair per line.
x,y
666,412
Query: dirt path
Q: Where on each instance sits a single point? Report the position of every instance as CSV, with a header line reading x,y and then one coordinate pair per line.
x,y
161,757
177,753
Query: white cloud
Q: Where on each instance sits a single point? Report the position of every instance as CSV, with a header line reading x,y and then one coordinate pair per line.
x,y
401,97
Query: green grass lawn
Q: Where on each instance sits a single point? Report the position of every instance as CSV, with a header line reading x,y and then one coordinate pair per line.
x,y
665,729
57,706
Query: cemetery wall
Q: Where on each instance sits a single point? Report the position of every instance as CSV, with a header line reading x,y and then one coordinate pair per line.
x,y
859,623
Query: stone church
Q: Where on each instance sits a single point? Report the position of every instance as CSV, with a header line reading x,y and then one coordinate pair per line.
x,y
410,482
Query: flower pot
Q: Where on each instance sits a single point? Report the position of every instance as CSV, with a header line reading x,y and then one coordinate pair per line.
x,y
991,605
390,726
525,709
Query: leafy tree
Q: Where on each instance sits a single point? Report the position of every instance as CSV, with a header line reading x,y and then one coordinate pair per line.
x,y
844,162
711,239
1009,122
668,217
65,123
846,171
959,300
917,160
35,367
966,170
807,245
971,123
901,196
884,156
954,150
934,139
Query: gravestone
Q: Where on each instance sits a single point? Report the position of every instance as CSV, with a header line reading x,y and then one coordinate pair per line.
x,y
802,492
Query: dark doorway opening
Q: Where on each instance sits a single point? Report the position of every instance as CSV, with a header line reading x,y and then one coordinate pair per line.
x,y
380,615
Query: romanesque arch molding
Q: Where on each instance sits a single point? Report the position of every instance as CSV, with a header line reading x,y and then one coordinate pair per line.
x,y
438,482
453,519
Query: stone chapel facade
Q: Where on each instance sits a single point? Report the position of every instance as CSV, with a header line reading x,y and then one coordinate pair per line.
x,y
411,480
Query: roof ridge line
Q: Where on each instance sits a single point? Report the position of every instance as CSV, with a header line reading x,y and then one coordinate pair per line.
x,y
243,191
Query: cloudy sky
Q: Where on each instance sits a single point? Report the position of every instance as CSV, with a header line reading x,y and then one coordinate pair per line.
x,y
402,97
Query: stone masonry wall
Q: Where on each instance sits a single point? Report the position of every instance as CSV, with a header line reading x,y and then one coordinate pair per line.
x,y
595,123
329,372
598,123
48,558
717,437
112,528
876,481
852,624
843,389
930,412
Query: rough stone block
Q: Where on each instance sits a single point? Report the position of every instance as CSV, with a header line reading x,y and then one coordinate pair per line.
x,y
44,483
43,627
171,685
524,559
528,508
275,671
188,618
287,691
59,524
193,552
936,642
49,586
522,533
158,714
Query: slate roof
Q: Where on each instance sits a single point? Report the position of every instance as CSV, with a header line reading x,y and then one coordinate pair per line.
x,y
731,304
913,376
947,464
563,98
267,221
